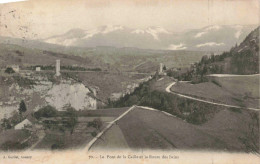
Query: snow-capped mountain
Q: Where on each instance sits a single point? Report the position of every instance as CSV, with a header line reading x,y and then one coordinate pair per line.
x,y
211,38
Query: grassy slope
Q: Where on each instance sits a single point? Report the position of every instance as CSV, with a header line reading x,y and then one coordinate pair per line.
x,y
239,90
145,129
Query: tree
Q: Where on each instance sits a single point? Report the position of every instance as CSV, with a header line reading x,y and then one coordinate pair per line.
x,y
9,70
164,68
47,111
71,118
6,124
22,107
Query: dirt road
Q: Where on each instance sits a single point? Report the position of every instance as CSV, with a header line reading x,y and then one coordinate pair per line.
x,y
168,89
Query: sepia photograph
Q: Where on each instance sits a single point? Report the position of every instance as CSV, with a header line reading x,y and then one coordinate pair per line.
x,y
129,81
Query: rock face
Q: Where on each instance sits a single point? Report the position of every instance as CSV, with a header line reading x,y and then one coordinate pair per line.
x,y
45,92
75,95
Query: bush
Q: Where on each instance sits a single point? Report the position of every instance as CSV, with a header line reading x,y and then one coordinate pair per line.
x,y
47,111
23,81
13,145
6,124
9,70
96,123
237,110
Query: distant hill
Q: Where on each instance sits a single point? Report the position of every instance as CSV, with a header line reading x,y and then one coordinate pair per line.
x,y
17,55
210,38
242,59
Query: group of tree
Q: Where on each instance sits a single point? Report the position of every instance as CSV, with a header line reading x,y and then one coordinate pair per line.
x,y
64,67
145,95
16,117
66,119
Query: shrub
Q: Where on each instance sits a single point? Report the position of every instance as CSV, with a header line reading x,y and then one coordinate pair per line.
x,y
23,81
6,124
47,111
96,123
9,70
13,145
237,110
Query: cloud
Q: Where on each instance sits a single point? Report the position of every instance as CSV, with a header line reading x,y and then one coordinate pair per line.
x,y
200,34
177,47
209,44
206,30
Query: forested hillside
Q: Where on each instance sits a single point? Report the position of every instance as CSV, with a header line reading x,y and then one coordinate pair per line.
x,y
242,59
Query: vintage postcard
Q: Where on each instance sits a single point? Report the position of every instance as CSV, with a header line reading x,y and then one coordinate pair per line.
x,y
129,81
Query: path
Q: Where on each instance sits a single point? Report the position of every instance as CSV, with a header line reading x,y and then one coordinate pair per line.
x,y
168,89
106,128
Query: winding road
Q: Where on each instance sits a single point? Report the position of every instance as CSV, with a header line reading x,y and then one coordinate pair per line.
x,y
168,89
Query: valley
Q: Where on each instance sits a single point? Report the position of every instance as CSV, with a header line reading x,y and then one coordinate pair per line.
x,y
54,97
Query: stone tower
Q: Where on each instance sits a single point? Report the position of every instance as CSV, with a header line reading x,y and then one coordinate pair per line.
x,y
58,67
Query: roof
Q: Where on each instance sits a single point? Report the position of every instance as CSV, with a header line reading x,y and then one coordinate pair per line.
x,y
22,124
31,118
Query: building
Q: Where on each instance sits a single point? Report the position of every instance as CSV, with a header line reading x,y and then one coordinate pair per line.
x,y
15,68
38,69
23,124
58,67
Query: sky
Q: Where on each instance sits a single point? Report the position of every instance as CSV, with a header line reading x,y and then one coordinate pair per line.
x,y
36,19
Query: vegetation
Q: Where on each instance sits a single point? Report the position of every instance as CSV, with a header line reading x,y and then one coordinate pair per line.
x,y
243,59
47,111
6,124
13,145
23,81
96,123
58,120
43,67
58,145
9,70
164,68
67,67
71,119
251,139
22,107
192,111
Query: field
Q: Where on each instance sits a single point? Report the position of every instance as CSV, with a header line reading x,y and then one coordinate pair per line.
x,y
235,90
112,139
241,85
82,134
145,129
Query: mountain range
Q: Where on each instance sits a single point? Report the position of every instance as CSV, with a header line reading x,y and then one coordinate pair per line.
x,y
210,38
